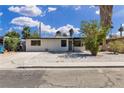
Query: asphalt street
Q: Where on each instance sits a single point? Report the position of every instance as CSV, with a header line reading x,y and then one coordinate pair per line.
x,y
62,78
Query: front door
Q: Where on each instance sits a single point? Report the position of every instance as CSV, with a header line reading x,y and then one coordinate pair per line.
x,y
70,45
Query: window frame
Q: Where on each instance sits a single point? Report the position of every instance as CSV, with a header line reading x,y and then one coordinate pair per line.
x,y
80,44
36,42
65,43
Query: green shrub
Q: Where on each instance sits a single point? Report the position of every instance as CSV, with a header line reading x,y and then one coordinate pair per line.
x,y
116,47
11,43
12,40
93,34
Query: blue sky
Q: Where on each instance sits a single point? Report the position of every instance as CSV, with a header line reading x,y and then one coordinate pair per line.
x,y
53,18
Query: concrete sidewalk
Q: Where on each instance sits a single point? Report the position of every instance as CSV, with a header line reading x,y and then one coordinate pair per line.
x,y
59,60
74,65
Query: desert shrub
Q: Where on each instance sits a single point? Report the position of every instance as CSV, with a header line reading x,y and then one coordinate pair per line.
x,y
116,47
93,35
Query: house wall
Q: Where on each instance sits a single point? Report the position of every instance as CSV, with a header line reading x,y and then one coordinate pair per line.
x,y
46,45
79,49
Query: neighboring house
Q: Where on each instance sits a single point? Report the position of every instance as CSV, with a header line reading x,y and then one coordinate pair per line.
x,y
115,39
1,40
58,44
1,45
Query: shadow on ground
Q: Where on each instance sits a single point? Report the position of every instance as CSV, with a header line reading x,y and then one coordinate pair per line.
x,y
72,54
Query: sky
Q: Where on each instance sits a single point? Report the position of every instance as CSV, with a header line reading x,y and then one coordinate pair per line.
x,y
53,18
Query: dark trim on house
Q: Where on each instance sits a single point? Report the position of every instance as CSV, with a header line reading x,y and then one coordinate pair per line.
x,y
58,38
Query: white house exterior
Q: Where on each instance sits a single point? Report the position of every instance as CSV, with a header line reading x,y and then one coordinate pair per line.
x,y
54,44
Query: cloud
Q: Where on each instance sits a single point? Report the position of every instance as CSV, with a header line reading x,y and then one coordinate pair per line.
x,y
1,29
118,34
10,29
47,29
97,12
1,13
51,9
31,11
77,7
17,27
92,6
24,21
66,28
96,8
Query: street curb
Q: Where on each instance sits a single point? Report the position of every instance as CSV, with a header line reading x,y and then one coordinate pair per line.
x,y
22,67
75,65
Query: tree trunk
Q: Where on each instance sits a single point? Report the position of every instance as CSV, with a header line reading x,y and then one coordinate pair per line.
x,y
106,18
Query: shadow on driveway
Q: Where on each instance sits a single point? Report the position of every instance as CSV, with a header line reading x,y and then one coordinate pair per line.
x,y
72,54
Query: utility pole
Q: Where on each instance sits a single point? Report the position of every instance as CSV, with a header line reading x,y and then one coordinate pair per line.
x,y
39,29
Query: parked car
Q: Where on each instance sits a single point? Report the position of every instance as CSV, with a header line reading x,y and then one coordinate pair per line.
x,y
1,48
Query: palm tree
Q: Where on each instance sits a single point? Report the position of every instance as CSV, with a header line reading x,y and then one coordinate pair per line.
x,y
65,35
26,32
121,29
71,32
106,20
58,33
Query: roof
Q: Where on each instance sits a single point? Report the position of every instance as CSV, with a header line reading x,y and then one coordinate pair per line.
x,y
116,38
58,38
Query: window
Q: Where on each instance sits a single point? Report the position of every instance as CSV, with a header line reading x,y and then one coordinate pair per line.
x,y
35,42
77,43
63,43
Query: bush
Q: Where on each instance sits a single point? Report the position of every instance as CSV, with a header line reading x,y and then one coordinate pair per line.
x,y
12,40
11,43
116,47
92,45
93,35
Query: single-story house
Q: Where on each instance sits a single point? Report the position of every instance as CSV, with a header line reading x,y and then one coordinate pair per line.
x,y
60,44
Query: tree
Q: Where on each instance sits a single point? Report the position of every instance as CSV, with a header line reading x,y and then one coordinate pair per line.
x,y
12,34
121,29
35,35
106,20
12,41
106,15
71,32
58,33
65,35
93,35
26,32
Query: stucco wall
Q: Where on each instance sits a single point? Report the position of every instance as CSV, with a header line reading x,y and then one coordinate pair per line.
x,y
47,44
79,49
